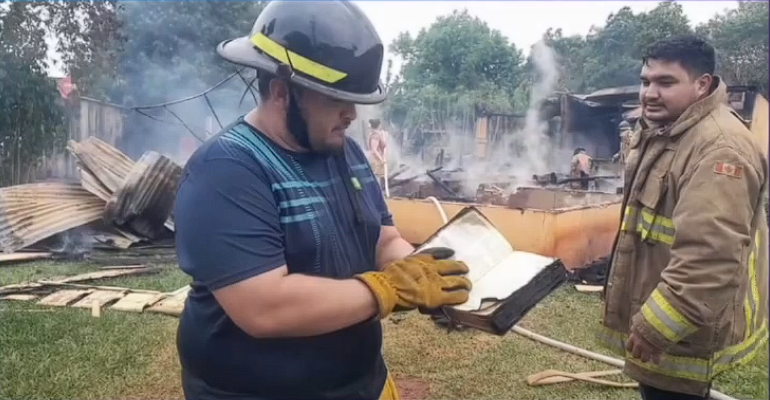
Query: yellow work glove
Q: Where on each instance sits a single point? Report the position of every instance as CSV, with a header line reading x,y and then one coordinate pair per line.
x,y
426,280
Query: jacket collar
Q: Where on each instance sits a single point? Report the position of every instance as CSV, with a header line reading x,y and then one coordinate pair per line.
x,y
696,112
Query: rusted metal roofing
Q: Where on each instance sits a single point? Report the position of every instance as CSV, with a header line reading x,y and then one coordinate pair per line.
x,y
103,167
146,197
30,213
104,170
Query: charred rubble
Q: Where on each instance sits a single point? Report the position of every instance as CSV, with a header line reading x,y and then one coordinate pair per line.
x,y
118,203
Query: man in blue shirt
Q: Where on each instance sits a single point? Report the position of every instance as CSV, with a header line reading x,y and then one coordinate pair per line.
x,y
284,230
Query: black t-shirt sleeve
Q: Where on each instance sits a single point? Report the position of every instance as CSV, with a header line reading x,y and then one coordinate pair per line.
x,y
227,224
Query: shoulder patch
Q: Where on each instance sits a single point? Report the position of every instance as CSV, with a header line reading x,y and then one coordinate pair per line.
x,y
732,170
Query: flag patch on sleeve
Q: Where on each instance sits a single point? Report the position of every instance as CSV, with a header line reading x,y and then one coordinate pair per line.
x,y
723,168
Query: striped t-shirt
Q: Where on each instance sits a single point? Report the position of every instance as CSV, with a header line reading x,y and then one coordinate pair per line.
x,y
245,206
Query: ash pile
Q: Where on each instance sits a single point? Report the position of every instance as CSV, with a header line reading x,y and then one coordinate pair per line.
x,y
118,203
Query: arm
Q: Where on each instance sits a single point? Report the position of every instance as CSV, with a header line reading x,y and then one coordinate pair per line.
x,y
279,304
391,246
239,256
713,228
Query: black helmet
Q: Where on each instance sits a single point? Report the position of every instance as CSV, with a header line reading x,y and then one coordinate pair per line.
x,y
327,46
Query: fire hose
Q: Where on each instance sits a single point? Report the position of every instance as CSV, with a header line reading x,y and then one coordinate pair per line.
x,y
564,346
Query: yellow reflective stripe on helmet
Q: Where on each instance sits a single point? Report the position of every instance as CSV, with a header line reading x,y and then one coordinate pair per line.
x,y
665,318
296,61
693,368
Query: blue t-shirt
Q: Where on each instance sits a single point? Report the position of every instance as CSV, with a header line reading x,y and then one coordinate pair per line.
x,y
245,206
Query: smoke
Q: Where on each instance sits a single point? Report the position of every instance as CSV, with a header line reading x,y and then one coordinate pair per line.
x,y
176,130
535,147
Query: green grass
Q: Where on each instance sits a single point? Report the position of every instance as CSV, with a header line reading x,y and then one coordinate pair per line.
x,y
61,353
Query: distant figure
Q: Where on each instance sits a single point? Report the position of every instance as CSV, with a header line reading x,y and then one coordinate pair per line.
x,y
377,142
624,130
580,167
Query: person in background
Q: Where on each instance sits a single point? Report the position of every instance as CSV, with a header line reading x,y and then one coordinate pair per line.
x,y
280,223
378,145
686,293
581,166
624,131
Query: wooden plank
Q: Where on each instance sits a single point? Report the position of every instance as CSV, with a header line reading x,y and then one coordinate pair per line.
x,y
24,256
589,288
123,267
136,302
91,276
173,304
20,297
63,298
20,288
95,287
100,297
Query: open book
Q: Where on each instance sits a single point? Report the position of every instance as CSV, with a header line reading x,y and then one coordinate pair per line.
x,y
506,283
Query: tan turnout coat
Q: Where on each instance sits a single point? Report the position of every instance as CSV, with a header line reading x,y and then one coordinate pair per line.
x,y
689,267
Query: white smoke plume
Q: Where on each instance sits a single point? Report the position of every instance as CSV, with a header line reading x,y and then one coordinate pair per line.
x,y
533,144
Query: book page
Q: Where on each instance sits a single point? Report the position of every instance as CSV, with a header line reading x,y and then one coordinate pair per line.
x,y
475,241
495,269
508,276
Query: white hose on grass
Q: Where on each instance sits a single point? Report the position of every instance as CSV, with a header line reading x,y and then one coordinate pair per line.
x,y
564,346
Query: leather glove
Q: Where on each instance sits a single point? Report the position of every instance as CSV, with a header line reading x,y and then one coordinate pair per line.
x,y
423,280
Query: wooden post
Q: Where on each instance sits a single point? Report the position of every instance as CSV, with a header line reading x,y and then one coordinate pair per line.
x,y
482,130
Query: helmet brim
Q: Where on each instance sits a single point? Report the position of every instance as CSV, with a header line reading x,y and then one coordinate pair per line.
x,y
241,51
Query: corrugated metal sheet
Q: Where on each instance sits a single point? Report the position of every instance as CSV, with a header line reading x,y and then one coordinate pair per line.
x,y
146,198
30,213
113,188
104,169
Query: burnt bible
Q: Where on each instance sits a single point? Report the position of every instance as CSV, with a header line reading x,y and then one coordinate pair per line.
x,y
507,283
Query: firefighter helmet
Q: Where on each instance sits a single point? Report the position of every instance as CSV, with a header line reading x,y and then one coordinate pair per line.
x,y
327,46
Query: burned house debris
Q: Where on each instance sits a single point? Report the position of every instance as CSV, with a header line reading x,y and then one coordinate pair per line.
x,y
119,202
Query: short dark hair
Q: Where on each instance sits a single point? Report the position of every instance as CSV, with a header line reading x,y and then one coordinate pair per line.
x,y
695,54
263,84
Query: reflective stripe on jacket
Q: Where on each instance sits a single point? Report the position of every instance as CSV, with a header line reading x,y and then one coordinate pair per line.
x,y
689,267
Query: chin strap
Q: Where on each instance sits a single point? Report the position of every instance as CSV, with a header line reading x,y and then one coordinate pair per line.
x,y
296,122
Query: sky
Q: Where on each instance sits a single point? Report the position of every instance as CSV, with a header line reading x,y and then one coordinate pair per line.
x,y
522,22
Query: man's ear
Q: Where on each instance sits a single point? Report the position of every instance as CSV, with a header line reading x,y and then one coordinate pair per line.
x,y
703,84
279,93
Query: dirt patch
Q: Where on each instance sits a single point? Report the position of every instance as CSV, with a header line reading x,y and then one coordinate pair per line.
x,y
412,389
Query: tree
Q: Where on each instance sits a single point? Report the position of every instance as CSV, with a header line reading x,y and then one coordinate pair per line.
x,y
611,55
458,62
740,37
32,117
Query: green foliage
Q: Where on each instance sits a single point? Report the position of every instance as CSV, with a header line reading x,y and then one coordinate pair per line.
x,y
457,63
610,55
31,120
741,39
